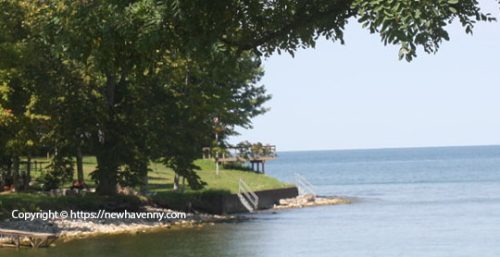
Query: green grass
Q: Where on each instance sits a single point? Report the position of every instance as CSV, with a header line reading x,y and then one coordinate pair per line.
x,y
227,180
160,183
89,165
161,178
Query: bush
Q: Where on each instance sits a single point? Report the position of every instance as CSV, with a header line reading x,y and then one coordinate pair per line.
x,y
59,171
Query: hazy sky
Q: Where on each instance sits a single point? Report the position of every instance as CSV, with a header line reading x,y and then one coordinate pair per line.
x,y
360,95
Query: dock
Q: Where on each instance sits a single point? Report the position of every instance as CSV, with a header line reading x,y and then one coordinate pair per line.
x,y
19,238
255,155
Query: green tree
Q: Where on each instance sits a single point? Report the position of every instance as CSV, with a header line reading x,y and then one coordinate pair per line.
x,y
227,91
139,80
150,99
287,25
20,123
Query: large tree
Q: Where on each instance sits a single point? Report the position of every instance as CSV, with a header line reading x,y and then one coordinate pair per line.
x,y
286,25
147,96
138,80
20,121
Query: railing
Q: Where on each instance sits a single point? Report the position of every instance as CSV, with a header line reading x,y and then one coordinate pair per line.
x,y
266,152
304,186
247,197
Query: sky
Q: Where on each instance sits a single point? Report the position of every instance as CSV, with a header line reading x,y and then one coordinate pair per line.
x,y
359,95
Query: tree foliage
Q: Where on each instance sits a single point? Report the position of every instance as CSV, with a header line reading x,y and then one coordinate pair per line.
x,y
139,80
286,25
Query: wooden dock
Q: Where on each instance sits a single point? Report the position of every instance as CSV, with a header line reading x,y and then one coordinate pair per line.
x,y
255,155
19,238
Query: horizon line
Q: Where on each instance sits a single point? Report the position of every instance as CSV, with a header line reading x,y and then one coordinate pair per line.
x,y
388,148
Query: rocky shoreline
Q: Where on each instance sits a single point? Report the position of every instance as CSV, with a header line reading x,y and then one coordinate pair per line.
x,y
310,200
70,229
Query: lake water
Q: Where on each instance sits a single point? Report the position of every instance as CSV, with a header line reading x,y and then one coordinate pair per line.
x,y
431,202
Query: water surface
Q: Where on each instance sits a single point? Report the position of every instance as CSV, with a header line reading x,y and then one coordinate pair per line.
x,y
433,202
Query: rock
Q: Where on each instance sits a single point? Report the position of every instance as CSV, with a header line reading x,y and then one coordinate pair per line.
x,y
71,229
284,202
308,200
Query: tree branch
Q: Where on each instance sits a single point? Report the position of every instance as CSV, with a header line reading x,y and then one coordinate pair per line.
x,y
300,20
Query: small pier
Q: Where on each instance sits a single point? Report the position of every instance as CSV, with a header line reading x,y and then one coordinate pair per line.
x,y
255,155
19,238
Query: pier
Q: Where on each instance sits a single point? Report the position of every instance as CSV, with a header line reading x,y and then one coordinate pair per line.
x,y
255,155
19,238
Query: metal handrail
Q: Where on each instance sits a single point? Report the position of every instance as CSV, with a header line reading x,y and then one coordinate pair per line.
x,y
304,185
249,195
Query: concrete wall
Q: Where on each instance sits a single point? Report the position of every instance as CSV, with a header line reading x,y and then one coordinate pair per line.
x,y
231,203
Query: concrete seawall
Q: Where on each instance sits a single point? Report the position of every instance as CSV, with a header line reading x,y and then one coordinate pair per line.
x,y
226,204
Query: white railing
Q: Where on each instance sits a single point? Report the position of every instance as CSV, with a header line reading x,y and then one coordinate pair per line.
x,y
304,186
247,197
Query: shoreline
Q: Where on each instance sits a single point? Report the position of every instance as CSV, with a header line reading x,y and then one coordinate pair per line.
x,y
309,200
74,229
70,229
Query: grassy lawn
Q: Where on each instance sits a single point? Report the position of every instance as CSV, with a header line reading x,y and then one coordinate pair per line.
x,y
89,165
161,178
160,183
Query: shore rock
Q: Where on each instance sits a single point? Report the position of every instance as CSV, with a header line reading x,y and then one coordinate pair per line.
x,y
69,229
309,200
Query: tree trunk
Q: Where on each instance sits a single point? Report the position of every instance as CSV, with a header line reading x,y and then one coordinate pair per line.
x,y
107,168
144,184
15,172
8,174
143,174
176,182
28,173
107,157
79,165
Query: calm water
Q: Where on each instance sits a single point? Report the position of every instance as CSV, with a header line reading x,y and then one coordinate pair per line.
x,y
429,202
